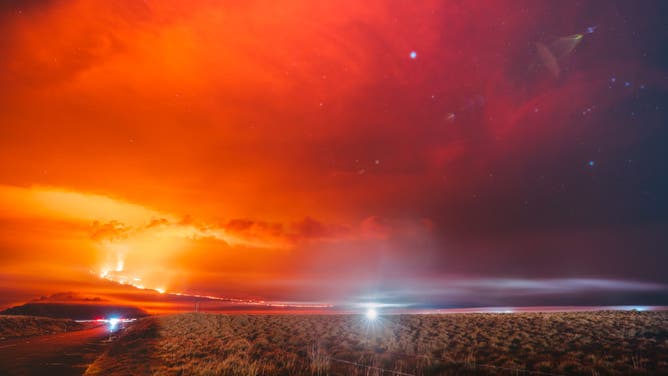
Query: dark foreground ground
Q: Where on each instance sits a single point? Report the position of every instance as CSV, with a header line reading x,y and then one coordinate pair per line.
x,y
591,343
61,354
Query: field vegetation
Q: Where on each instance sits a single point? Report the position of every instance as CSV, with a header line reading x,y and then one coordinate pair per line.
x,y
28,326
594,343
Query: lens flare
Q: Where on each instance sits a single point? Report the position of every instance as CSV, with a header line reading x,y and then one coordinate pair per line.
x,y
371,314
113,323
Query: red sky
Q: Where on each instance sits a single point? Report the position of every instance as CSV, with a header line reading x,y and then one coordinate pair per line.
x,y
296,151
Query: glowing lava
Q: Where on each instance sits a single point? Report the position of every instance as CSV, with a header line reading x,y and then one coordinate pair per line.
x,y
121,279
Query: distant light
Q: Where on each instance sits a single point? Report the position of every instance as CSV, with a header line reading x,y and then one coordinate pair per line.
x,y
162,291
591,163
413,54
371,314
113,322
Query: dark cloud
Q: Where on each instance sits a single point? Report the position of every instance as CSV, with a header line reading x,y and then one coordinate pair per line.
x,y
69,296
306,229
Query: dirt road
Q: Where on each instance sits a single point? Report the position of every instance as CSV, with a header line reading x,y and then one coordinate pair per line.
x,y
57,354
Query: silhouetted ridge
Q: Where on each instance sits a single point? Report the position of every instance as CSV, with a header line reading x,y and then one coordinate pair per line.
x,y
74,311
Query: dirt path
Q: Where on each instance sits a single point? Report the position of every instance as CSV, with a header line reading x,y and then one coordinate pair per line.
x,y
57,354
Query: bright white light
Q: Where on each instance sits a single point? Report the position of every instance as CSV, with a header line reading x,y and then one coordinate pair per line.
x,y
113,322
371,314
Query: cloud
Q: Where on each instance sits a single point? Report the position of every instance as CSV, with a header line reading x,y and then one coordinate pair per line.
x,y
471,291
375,227
141,242
253,229
69,296
110,231
65,204
157,222
288,234
311,229
518,286
73,48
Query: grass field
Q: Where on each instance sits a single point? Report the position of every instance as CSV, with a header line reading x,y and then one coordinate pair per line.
x,y
28,326
593,343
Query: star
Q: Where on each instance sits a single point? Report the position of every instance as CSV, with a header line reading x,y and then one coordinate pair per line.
x,y
591,163
413,55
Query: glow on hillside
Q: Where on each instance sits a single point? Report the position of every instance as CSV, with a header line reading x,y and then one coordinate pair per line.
x,y
137,282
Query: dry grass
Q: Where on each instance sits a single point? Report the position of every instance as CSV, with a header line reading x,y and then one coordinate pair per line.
x,y
601,343
28,326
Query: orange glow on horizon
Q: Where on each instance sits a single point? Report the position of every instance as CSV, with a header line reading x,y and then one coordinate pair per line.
x,y
129,244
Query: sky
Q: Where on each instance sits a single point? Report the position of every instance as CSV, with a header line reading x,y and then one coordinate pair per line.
x,y
414,154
